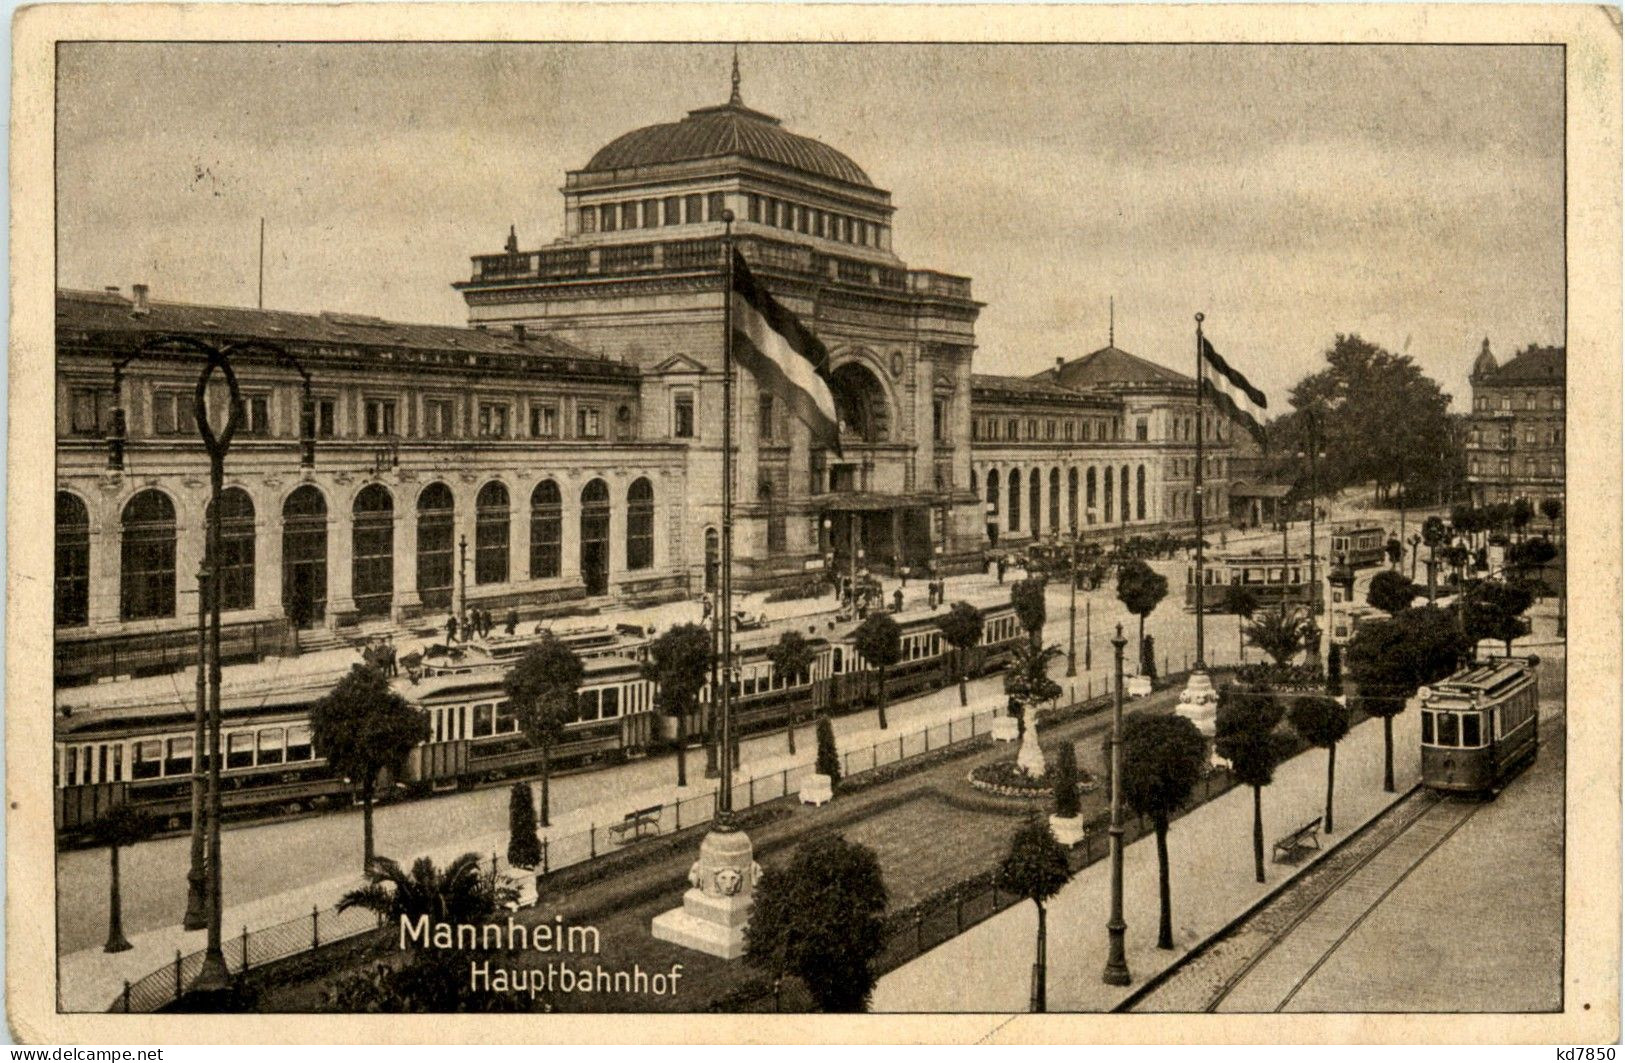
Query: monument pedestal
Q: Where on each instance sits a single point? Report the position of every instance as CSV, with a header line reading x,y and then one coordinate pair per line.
x,y
1006,728
817,790
1199,703
717,909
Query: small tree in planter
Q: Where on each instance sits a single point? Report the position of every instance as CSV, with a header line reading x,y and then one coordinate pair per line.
x,y
680,664
1279,632
880,641
1322,722
961,628
1067,822
524,849
791,656
1141,590
1035,868
1245,736
1163,758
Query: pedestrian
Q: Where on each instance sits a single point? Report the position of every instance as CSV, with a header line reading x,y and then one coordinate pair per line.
x,y
451,629
513,620
484,621
897,599
903,571
1000,564
388,648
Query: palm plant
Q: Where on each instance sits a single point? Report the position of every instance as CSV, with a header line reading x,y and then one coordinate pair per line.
x,y
1279,632
458,893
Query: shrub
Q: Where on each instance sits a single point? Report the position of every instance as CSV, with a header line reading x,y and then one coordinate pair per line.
x,y
829,758
1065,771
524,849
1148,658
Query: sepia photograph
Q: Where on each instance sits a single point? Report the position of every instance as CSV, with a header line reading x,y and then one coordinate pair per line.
x,y
781,527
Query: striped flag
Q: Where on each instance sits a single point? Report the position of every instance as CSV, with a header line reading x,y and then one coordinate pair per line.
x,y
786,358
1231,392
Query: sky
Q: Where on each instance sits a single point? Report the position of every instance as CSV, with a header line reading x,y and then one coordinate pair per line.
x,y
1412,195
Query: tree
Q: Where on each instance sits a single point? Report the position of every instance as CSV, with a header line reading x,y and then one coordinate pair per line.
x,y
1322,722
1391,592
1495,611
1552,510
1064,781
524,849
1027,598
1334,669
1244,734
1027,681
1395,551
1521,513
1035,868
459,893
961,628
1163,757
1241,600
1524,560
1434,536
828,761
792,658
1148,657
819,917
542,690
363,729
1279,632
1389,659
122,826
679,664
880,642
1140,590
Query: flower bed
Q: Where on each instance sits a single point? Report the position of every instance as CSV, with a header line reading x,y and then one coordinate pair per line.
x,y
1004,779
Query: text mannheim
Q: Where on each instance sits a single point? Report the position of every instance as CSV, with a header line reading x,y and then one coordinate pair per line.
x,y
566,448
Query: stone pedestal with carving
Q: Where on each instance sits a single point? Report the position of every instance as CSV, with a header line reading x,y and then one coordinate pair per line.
x,y
1199,703
717,908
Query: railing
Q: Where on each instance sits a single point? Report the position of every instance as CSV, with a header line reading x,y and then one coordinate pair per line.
x,y
327,926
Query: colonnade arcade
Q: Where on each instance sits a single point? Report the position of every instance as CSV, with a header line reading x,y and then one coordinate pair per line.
x,y
1023,501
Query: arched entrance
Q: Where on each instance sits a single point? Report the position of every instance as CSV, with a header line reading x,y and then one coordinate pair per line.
x,y
436,526
595,537
372,548
860,402
304,556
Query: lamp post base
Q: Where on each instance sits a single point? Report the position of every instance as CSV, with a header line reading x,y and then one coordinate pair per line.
x,y
197,911
213,976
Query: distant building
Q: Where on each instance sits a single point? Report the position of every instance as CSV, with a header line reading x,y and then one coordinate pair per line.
x,y
1515,433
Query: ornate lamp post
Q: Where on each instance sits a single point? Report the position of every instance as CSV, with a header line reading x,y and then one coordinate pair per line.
x,y
1116,972
1072,615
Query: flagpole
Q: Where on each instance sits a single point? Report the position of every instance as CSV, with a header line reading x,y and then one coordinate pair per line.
x,y
724,614
1201,585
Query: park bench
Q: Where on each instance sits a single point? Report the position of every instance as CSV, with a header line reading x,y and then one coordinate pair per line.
x,y
1290,846
632,827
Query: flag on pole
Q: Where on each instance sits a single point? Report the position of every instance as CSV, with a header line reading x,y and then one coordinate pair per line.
x,y
787,359
1231,392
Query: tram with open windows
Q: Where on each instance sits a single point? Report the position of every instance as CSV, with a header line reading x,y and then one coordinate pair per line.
x,y
1273,579
1359,545
1480,727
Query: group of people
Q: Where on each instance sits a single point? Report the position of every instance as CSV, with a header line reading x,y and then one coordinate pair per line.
x,y
477,623
381,655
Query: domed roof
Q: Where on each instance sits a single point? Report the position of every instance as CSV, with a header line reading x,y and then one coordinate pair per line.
x,y
1484,364
731,129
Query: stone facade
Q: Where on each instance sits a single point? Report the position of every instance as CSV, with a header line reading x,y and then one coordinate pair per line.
x,y
1515,435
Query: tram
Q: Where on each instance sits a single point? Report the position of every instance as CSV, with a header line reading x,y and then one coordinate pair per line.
x,y
1273,579
1359,545
1480,727
109,753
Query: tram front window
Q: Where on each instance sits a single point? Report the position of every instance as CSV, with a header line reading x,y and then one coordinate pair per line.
x,y
1427,728
1470,730
1448,732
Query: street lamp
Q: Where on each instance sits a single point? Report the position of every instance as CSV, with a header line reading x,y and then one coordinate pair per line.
x,y
1117,972
1315,453
1072,615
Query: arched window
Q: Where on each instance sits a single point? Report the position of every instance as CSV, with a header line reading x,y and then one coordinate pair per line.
x,y
1123,495
1055,500
236,549
72,561
147,557
1106,509
1034,502
546,531
1139,493
304,556
1015,500
595,537
993,491
640,524
491,533
436,521
1072,499
372,551
1089,495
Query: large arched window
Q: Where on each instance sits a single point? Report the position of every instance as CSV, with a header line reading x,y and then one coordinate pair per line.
x,y
436,523
595,537
640,524
304,556
491,534
993,492
1106,508
1015,500
1139,493
1055,500
72,561
546,531
1072,499
1089,502
236,549
372,551
1123,495
147,557
1034,502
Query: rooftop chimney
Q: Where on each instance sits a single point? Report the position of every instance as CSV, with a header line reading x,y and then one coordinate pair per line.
x,y
1059,362
519,333
139,293
111,289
